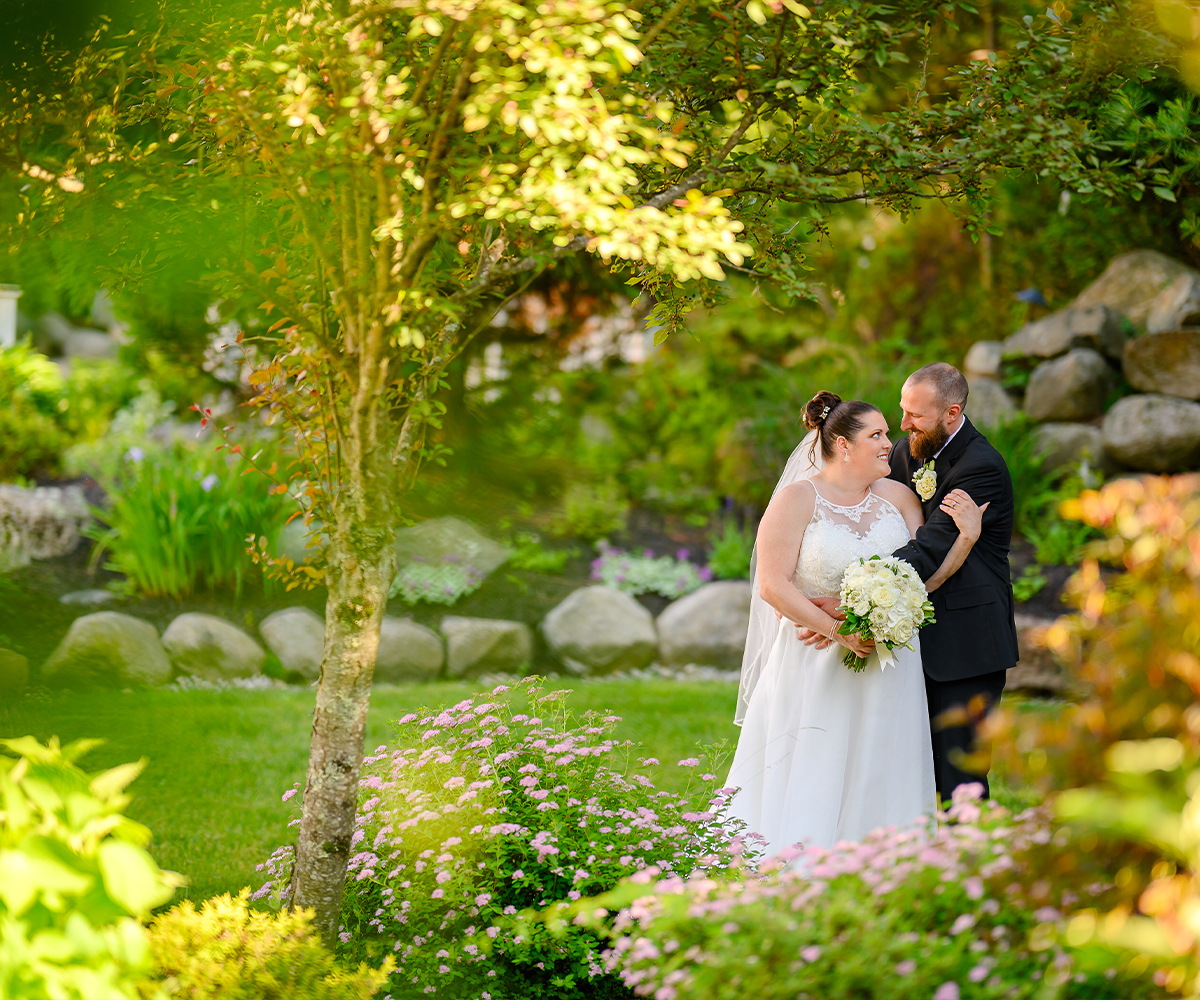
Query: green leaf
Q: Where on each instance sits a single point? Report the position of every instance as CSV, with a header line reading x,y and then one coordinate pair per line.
x,y
131,878
26,873
109,783
1166,194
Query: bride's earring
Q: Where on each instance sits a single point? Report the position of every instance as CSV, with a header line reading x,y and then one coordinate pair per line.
x,y
847,457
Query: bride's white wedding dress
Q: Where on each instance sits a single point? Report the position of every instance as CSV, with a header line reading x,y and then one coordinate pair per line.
x,y
826,754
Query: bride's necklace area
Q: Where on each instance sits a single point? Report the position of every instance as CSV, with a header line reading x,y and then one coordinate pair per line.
x,y
833,493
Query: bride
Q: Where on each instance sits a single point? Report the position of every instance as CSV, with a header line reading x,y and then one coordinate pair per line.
x,y
827,754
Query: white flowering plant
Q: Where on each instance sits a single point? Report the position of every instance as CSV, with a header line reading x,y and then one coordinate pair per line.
x,y
961,910
646,573
436,583
481,811
883,599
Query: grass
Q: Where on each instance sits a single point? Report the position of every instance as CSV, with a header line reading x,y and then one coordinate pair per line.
x,y
219,761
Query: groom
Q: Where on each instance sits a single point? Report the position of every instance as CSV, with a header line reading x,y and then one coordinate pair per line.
x,y
968,650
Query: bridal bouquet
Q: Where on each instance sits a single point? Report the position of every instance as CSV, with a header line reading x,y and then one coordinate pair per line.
x,y
883,599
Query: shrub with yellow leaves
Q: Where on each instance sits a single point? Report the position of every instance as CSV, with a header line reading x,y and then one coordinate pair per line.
x,y
227,951
1125,761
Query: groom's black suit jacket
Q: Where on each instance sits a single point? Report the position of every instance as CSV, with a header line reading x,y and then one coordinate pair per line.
x,y
974,633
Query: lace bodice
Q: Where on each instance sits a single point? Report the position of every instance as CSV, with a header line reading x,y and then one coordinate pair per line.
x,y
836,536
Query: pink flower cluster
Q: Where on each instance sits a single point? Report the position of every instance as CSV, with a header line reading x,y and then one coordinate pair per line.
x,y
481,812
946,901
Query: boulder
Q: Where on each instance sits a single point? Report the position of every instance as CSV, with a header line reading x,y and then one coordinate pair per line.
x,y
408,652
1098,328
987,402
14,672
42,522
293,538
1039,670
297,637
485,645
1176,307
707,626
597,630
206,646
1165,362
1065,446
1153,433
435,539
54,328
1131,282
82,343
983,359
108,649
1072,387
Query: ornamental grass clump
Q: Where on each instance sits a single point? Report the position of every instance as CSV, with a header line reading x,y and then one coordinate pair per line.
x,y
960,913
484,810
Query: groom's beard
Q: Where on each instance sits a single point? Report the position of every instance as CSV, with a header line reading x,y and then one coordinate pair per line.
x,y
923,445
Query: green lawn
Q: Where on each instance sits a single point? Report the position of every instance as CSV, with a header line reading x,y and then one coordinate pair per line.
x,y
219,761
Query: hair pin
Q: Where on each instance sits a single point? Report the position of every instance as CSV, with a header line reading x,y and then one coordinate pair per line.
x,y
825,413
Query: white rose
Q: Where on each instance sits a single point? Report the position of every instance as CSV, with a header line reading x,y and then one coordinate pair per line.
x,y
882,596
926,483
903,632
861,606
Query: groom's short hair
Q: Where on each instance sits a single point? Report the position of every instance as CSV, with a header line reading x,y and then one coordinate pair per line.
x,y
949,385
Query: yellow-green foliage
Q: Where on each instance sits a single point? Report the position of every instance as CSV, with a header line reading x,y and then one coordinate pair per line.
x,y
75,882
228,951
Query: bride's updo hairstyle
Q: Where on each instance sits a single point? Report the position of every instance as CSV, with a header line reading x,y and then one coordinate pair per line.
x,y
833,417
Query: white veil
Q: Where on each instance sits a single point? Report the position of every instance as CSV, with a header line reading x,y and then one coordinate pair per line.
x,y
804,463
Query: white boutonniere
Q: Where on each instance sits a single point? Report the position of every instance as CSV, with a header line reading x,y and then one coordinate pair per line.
x,y
925,481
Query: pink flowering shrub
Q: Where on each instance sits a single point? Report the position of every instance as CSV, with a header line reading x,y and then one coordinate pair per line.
x,y
481,811
903,915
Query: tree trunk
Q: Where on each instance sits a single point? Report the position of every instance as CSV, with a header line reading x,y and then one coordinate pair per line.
x,y
358,587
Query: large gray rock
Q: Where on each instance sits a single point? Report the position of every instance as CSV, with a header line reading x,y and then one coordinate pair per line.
x,y
987,403
1065,446
207,646
983,359
81,343
1165,362
485,645
14,672
294,538
433,540
108,649
1176,307
597,630
42,522
1131,282
1098,328
407,652
297,637
1153,433
708,626
1072,387
1039,670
